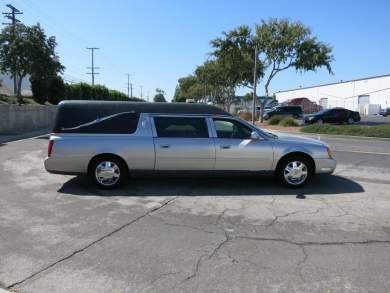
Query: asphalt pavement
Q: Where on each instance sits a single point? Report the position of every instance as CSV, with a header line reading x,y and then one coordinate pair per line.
x,y
238,234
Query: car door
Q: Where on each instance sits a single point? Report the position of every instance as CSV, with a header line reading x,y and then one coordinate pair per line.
x,y
330,116
344,115
235,150
183,143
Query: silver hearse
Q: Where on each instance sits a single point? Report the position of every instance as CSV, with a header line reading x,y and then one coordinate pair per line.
x,y
111,140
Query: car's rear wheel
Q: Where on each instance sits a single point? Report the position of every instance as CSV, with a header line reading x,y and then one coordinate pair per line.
x,y
108,172
320,121
295,171
350,120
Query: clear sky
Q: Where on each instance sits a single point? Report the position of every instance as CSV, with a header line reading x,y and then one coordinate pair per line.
x,y
161,41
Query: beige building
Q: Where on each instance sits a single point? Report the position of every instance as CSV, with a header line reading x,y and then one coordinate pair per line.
x,y
365,95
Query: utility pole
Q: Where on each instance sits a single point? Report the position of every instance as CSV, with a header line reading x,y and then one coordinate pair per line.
x,y
93,73
141,90
12,16
129,86
254,89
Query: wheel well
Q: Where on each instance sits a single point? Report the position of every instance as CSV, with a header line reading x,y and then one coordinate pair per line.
x,y
302,154
106,155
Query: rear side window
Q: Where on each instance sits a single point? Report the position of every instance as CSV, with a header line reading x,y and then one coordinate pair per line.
x,y
181,127
122,123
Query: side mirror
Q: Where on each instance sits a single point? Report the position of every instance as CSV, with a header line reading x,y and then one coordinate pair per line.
x,y
255,135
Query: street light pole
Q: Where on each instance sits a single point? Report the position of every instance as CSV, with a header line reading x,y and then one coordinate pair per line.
x,y
254,89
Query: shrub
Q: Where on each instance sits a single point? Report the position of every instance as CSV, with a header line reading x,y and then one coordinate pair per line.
x,y
274,120
246,116
85,91
288,121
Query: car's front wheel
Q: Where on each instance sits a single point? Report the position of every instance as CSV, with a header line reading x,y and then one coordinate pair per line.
x,y
350,120
107,172
294,171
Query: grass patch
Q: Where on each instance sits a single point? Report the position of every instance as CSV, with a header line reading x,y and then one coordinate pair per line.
x,y
357,130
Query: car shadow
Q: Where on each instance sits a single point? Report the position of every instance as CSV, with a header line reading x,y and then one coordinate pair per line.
x,y
226,186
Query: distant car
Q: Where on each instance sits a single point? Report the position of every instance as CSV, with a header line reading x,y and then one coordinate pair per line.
x,y
294,111
334,115
385,112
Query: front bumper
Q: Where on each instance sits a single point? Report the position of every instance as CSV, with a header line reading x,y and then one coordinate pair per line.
x,y
325,166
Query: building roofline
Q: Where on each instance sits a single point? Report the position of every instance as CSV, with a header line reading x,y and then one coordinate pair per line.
x,y
331,83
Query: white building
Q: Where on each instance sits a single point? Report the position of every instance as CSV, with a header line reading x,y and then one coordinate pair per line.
x,y
366,95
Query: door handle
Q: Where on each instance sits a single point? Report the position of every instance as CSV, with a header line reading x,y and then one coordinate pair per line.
x,y
225,147
164,146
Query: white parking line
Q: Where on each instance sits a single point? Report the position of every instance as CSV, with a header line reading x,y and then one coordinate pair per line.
x,y
360,152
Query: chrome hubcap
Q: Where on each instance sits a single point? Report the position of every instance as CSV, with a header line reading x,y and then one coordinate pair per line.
x,y
107,173
295,172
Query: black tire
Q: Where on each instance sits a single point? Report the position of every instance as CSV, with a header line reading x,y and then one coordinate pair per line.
x,y
350,120
117,167
320,121
280,170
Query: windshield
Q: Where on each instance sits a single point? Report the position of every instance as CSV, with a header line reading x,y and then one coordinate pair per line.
x,y
259,130
323,111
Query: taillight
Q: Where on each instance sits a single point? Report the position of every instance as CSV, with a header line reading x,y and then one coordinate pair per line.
x,y
50,147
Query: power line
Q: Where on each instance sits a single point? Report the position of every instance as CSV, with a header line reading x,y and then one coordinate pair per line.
x,y
93,73
129,86
12,16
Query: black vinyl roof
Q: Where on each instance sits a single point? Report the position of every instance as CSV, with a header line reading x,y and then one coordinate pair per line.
x,y
74,113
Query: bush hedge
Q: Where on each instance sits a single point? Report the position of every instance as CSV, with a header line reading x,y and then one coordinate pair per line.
x,y
288,121
54,90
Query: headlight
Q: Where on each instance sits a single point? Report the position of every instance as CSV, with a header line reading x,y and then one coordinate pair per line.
x,y
330,152
311,118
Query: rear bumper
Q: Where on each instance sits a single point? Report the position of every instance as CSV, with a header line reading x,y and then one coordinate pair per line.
x,y
325,166
57,166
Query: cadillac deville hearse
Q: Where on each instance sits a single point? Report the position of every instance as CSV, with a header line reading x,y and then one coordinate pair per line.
x,y
112,140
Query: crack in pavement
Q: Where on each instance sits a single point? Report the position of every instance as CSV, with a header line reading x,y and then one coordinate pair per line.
x,y
301,245
91,244
215,250
315,243
301,263
163,275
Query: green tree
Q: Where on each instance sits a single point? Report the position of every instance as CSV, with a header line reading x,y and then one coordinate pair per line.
x,y
39,88
182,91
284,44
159,97
279,45
215,82
235,51
27,50
56,90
